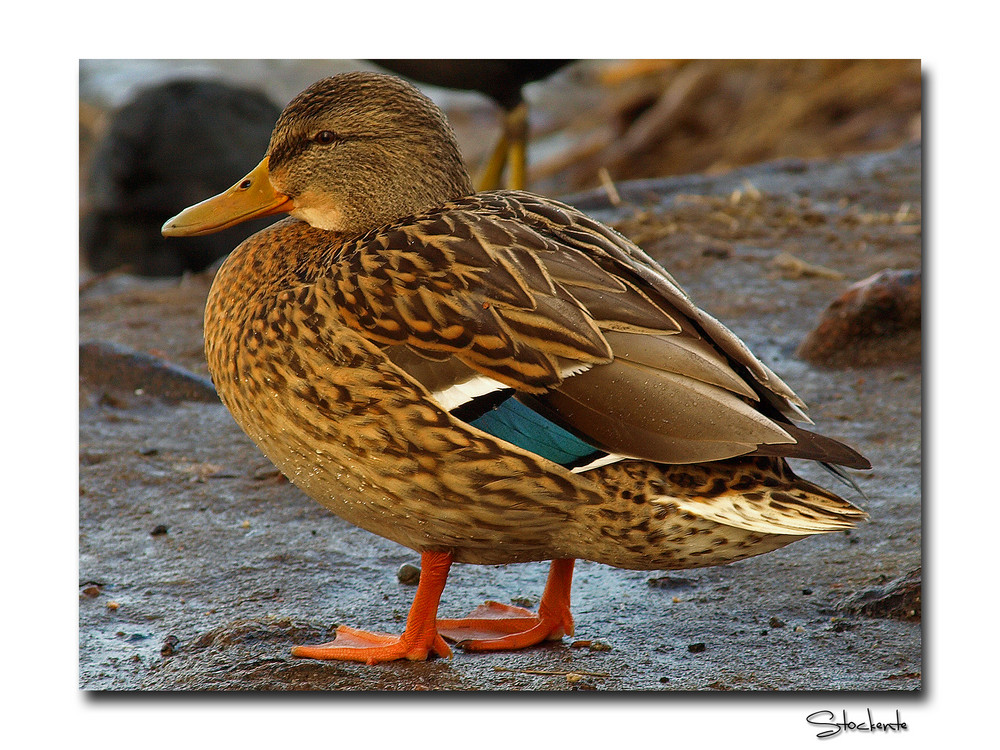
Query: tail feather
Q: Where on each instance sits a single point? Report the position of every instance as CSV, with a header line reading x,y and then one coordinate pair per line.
x,y
764,496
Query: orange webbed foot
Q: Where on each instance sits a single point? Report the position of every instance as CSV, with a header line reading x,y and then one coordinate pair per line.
x,y
496,627
352,644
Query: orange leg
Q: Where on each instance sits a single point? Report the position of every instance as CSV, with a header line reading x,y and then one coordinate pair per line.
x,y
495,627
419,639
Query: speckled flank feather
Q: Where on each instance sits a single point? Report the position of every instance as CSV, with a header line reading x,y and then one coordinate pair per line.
x,y
695,515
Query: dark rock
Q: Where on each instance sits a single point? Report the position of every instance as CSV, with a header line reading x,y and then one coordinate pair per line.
x,y
107,365
898,599
876,321
172,146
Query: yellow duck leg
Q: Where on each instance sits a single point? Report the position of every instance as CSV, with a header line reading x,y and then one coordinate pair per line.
x,y
493,171
501,627
512,149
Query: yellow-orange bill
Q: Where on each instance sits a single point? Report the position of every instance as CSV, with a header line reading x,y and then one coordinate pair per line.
x,y
249,198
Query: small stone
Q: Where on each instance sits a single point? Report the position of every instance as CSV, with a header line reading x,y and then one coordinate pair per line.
x,y
408,574
112,605
91,590
799,629
716,251
265,473
776,623
169,647
696,648
591,645
108,399
159,530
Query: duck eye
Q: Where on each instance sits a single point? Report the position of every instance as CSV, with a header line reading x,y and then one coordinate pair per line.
x,y
325,136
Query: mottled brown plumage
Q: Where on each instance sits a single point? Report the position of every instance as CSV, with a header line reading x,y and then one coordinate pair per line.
x,y
370,346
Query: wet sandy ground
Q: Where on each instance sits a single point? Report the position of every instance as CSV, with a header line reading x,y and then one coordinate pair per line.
x,y
200,567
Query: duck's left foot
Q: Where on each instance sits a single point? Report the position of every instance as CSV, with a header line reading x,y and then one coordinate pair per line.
x,y
499,627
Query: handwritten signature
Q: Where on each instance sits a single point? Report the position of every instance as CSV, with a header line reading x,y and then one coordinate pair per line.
x,y
826,719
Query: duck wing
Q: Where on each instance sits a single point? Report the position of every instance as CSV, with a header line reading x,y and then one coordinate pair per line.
x,y
529,319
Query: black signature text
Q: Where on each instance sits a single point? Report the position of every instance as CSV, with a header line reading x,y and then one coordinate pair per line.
x,y
827,719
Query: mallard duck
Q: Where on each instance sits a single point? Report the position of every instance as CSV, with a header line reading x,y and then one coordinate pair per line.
x,y
502,81
487,377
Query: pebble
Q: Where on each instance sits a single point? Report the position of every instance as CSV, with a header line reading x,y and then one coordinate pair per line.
x,y
169,647
267,472
408,574
591,645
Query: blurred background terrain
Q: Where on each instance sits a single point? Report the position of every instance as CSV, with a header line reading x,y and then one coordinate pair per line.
x,y
157,136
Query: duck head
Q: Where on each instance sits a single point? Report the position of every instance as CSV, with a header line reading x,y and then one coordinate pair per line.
x,y
350,153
